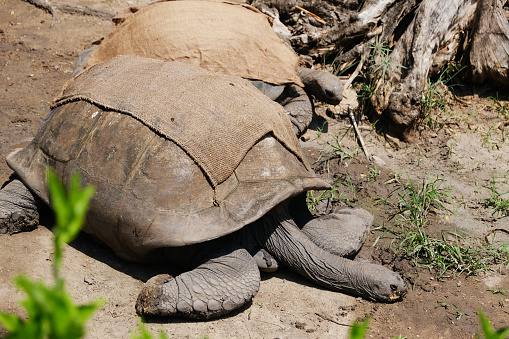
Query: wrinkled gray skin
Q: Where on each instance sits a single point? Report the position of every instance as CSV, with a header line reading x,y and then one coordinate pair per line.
x,y
324,86
223,274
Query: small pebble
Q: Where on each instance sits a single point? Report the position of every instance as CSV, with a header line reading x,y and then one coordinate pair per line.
x,y
300,325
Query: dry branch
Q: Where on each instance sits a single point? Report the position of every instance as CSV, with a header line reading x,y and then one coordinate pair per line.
x,y
71,9
326,317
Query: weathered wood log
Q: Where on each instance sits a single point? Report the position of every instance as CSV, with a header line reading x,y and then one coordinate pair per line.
x,y
431,39
424,35
489,47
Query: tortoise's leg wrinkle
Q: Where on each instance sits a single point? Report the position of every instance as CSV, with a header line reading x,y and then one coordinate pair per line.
x,y
290,246
18,211
298,106
342,233
214,288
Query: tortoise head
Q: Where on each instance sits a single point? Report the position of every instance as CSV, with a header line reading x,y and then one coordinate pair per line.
x,y
323,85
382,284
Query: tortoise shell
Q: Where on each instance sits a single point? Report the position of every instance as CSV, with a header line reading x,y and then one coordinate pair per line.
x,y
223,37
150,193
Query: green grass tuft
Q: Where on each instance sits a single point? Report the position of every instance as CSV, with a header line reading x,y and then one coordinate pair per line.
x,y
453,252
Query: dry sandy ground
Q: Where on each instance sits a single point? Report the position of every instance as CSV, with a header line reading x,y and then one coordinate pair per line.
x,y
36,60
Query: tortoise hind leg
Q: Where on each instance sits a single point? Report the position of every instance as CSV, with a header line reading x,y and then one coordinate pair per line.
x,y
18,210
214,288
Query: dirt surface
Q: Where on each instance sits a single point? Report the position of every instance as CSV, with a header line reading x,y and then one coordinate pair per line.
x,y
36,60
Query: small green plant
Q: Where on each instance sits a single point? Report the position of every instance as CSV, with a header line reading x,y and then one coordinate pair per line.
x,y
486,141
378,66
414,203
359,329
347,182
312,199
488,331
145,334
396,178
335,150
373,173
435,97
381,52
320,130
496,201
501,107
51,311
459,314
333,194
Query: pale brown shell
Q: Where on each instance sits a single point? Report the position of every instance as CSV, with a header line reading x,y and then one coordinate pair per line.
x,y
222,37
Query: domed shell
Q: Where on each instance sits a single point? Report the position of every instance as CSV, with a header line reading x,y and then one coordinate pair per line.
x,y
219,36
150,193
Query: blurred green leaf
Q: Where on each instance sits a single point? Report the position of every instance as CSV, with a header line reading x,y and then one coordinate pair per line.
x,y
51,310
359,329
145,334
488,330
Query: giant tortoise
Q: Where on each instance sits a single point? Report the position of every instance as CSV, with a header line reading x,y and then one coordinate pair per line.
x,y
184,172
222,37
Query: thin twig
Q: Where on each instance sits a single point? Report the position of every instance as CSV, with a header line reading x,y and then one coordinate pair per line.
x,y
325,317
493,231
355,73
358,133
312,14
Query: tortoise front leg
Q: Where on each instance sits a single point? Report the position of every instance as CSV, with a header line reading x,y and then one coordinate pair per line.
x,y
295,101
342,233
279,234
18,211
214,288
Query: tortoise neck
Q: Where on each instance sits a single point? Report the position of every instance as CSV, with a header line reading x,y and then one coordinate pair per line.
x,y
281,237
